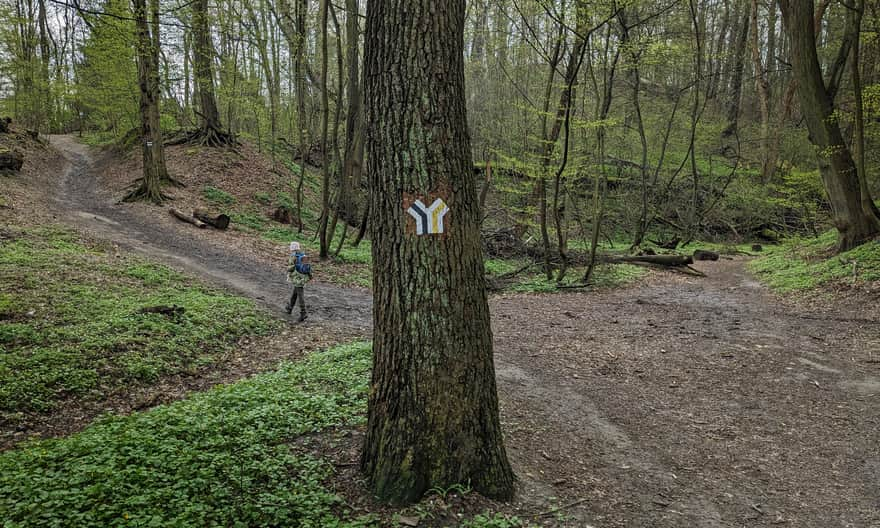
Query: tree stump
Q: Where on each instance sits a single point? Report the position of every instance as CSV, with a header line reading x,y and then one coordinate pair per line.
x,y
11,160
282,215
702,254
4,124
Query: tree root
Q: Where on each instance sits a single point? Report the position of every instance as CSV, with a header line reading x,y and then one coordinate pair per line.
x,y
204,137
142,193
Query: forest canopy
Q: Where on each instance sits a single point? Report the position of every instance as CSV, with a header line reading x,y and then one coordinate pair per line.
x,y
660,120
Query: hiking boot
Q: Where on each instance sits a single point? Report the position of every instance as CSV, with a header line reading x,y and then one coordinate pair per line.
x,y
288,309
302,317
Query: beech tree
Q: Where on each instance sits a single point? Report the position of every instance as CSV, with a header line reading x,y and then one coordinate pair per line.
x,y
433,409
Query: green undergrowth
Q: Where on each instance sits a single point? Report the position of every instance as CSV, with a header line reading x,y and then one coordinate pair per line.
x,y
801,264
219,458
231,456
75,320
533,280
604,276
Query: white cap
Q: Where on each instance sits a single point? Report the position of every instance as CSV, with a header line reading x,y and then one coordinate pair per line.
x,y
294,246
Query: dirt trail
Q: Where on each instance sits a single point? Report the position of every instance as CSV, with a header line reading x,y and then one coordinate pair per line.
x,y
88,207
683,402
693,402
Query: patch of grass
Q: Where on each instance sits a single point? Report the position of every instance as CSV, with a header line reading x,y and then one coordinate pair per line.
x,y
604,276
499,266
356,255
808,263
217,196
225,457
263,198
493,520
71,321
723,248
249,221
98,139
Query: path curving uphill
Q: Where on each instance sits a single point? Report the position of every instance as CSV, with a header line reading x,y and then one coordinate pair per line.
x,y
86,206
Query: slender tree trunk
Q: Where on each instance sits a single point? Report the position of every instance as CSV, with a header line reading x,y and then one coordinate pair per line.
x,y
762,90
354,138
735,92
836,165
325,121
433,409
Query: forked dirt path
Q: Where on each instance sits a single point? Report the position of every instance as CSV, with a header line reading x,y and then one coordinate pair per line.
x,y
683,402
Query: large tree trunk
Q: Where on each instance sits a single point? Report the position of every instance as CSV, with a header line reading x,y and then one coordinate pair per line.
x,y
203,52
839,174
853,25
433,409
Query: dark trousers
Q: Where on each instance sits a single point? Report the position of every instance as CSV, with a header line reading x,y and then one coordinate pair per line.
x,y
297,295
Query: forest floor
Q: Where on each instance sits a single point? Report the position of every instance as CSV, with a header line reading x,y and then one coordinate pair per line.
x,y
679,401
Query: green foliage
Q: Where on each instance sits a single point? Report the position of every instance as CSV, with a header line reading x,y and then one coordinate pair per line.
x,y
71,321
496,520
226,457
806,264
500,266
107,90
217,196
356,255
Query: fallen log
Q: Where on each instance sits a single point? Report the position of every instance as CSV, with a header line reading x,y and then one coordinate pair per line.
x,y
657,260
702,254
217,221
180,215
11,160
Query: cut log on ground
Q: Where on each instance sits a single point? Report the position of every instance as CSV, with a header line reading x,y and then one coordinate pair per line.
x,y
180,215
11,160
657,260
215,220
702,254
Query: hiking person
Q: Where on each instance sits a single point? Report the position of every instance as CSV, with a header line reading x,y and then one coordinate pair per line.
x,y
299,272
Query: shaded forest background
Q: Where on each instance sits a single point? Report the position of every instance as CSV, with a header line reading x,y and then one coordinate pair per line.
x,y
666,121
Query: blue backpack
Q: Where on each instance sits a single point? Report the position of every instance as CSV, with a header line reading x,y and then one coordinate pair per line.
x,y
302,264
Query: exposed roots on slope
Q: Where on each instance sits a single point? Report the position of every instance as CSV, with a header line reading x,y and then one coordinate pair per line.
x,y
204,137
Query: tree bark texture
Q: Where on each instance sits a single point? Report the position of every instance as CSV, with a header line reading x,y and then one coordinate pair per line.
x,y
203,53
433,408
836,165
148,80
